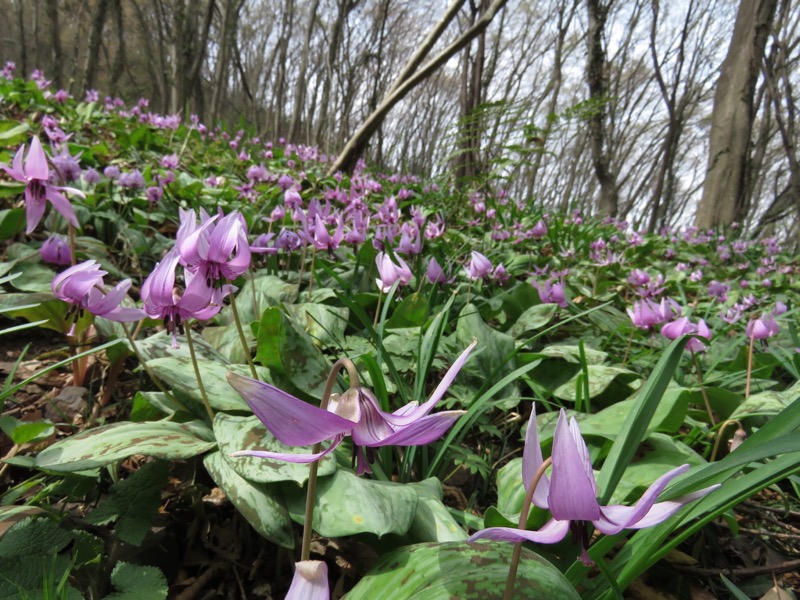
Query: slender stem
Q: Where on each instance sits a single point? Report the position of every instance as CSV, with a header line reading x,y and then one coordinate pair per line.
x,y
749,367
148,370
378,309
302,267
73,258
311,272
200,385
342,363
719,436
523,520
628,347
242,338
703,388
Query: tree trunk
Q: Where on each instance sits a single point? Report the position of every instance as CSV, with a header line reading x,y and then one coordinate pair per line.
x,y
23,46
95,39
56,54
300,89
597,78
355,146
724,199
119,58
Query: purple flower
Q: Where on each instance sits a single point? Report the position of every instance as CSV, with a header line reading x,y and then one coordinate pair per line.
x,y
132,180
56,250
762,328
390,272
646,313
163,300
355,413
479,266
310,581
35,174
214,250
682,326
82,286
111,172
570,493
552,293
435,273
539,230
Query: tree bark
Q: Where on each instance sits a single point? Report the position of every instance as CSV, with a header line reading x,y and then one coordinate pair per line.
x,y
300,88
95,39
56,52
724,199
23,46
597,79
355,146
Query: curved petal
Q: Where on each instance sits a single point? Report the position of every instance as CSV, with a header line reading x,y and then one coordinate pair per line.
x,y
223,238
532,460
424,431
551,532
573,491
194,247
105,304
287,456
292,421
615,518
34,210
157,288
404,416
36,161
61,204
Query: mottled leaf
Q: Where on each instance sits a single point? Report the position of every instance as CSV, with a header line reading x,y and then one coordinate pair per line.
x,y
259,503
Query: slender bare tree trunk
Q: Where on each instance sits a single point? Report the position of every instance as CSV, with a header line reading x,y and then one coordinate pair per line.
x,y
597,78
95,39
287,25
355,146
119,58
302,84
23,39
56,52
724,197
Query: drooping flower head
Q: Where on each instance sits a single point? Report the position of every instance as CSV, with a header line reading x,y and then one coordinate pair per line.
x,y
570,493
34,172
355,413
164,300
479,266
682,326
391,272
310,581
214,250
82,286
56,250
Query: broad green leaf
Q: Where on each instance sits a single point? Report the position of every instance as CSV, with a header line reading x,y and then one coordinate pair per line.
x,y
22,432
159,345
286,349
347,505
248,433
534,318
411,312
468,571
109,443
12,222
766,404
259,503
252,299
178,373
137,582
326,324
600,378
133,503
432,521
572,354
225,340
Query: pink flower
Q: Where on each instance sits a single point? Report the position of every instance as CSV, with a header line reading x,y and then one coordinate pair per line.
x,y
35,174
479,266
683,326
390,272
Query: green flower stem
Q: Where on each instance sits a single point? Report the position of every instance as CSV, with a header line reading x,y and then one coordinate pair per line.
x,y
148,370
718,439
342,363
523,520
749,367
73,257
242,339
703,389
200,386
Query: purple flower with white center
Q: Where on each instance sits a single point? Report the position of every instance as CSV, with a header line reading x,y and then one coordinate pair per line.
x,y
390,272
682,326
479,266
56,250
82,286
35,174
355,413
163,300
214,250
570,493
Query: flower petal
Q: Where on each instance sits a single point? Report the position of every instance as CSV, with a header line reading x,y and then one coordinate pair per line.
x,y
532,460
310,581
287,456
573,491
404,416
615,518
424,431
551,532
36,161
292,421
